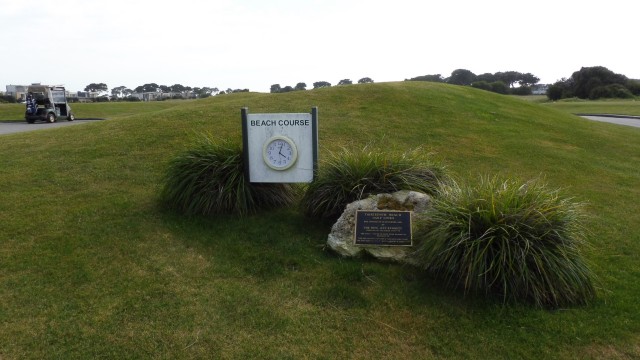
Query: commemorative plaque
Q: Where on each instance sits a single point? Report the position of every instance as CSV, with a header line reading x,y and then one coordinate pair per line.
x,y
383,228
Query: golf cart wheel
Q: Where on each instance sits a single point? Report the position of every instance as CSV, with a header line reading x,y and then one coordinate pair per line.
x,y
51,117
30,121
71,117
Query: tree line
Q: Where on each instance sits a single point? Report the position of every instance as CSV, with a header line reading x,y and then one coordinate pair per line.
x,y
594,83
176,91
502,82
587,83
276,88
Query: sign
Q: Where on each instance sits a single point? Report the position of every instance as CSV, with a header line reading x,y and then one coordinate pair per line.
x,y
383,228
280,147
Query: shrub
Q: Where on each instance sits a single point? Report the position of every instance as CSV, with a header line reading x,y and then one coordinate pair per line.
x,y
209,179
521,90
8,99
518,241
610,91
554,92
481,85
499,87
349,176
634,87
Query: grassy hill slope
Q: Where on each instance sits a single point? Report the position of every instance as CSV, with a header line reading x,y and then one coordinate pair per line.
x,y
91,267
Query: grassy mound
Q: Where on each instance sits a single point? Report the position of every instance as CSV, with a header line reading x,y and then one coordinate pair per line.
x,y
90,266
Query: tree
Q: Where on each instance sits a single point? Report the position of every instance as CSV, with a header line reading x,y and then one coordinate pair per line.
x,y
118,91
99,88
365,80
495,86
204,92
589,78
610,91
321,84
345,82
521,90
482,84
275,88
430,78
499,87
561,89
177,88
461,77
634,86
528,79
508,77
164,89
300,86
152,87
486,77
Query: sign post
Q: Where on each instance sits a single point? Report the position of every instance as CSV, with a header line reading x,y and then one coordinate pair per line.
x,y
280,148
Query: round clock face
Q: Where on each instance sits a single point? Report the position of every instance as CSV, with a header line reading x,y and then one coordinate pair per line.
x,y
279,152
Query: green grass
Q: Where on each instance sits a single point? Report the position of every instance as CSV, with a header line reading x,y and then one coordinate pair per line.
x,y
15,112
91,266
577,106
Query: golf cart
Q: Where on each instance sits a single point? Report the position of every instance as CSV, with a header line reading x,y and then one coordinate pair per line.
x,y
47,103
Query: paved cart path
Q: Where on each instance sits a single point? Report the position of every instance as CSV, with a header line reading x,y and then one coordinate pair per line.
x,y
11,127
614,119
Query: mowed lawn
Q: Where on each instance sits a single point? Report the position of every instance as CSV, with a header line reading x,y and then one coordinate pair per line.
x,y
92,267
609,106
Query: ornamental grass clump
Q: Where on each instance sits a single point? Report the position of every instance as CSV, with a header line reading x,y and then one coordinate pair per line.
x,y
522,242
353,175
209,179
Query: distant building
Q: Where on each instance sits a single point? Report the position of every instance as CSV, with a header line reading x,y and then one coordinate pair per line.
x,y
84,96
19,92
147,96
539,89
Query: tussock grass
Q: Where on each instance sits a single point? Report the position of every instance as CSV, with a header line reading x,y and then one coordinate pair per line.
x,y
522,241
209,179
347,176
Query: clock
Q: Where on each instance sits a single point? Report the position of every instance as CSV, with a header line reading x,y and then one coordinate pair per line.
x,y
279,152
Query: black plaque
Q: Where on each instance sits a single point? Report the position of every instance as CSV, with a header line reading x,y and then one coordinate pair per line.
x,y
383,228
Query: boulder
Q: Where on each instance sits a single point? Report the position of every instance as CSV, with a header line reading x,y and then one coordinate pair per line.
x,y
341,238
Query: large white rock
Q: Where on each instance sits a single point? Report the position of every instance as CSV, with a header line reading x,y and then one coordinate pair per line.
x,y
341,238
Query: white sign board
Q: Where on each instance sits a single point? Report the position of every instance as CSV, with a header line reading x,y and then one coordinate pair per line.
x,y
280,148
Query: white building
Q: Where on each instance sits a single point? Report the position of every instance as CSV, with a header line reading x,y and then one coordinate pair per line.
x,y
18,91
539,89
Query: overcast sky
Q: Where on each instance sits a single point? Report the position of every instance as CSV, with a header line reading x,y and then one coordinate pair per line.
x,y
256,43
